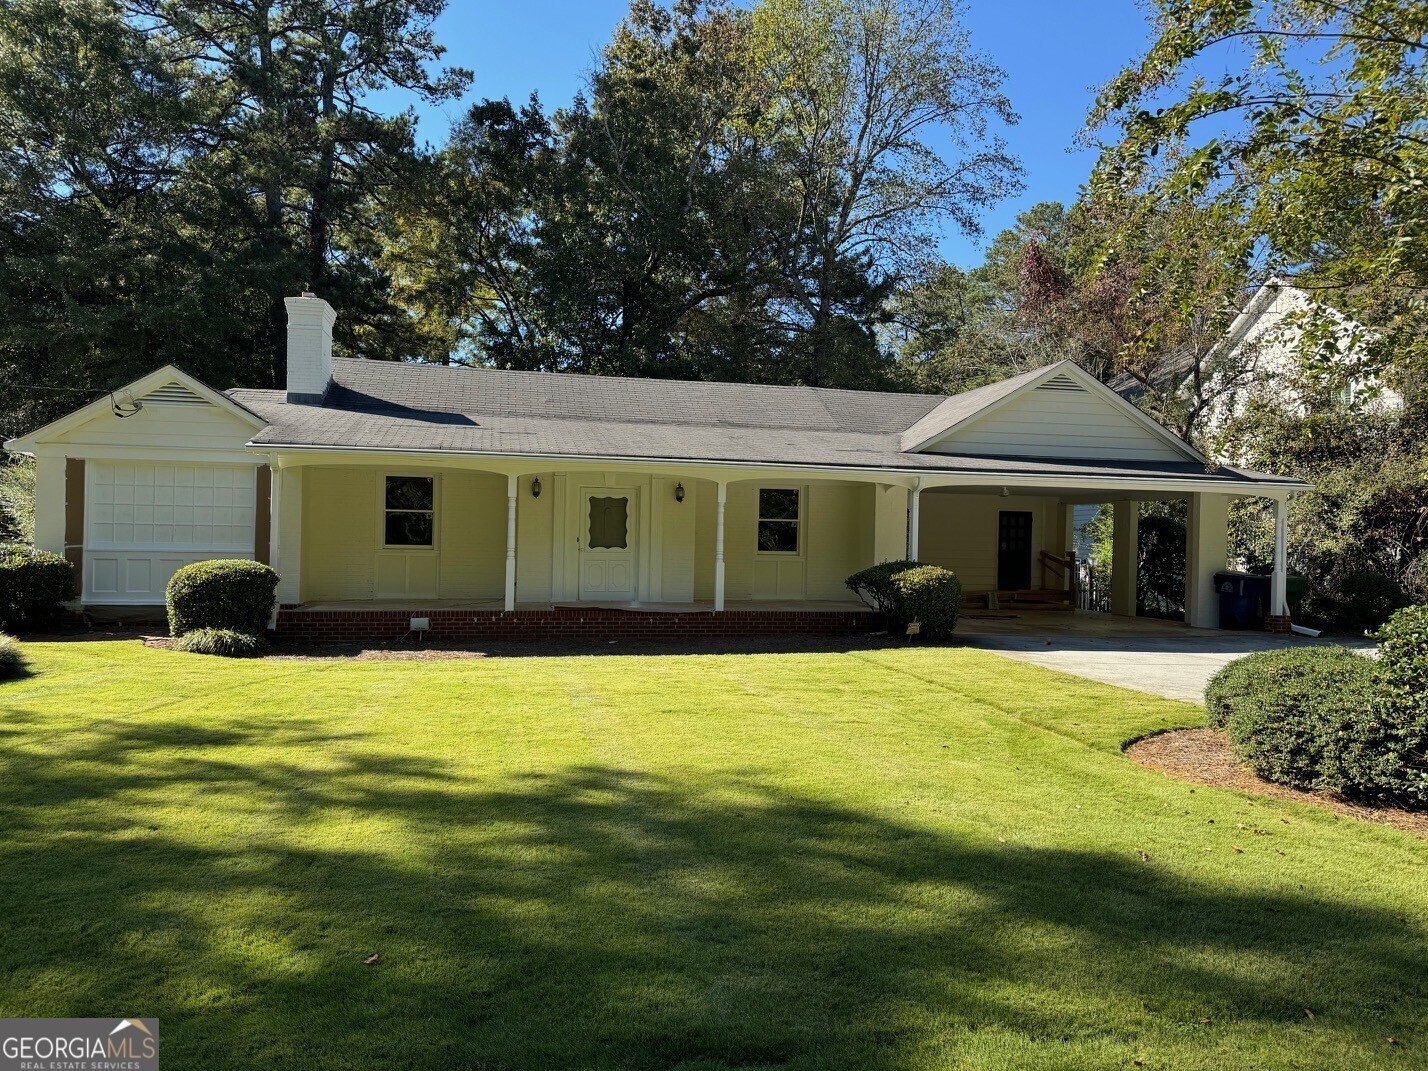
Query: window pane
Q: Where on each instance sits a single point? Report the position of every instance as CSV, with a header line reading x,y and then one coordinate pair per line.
x,y
409,529
778,535
409,492
609,523
778,503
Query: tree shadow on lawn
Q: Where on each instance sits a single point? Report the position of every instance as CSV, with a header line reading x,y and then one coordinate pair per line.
x,y
599,917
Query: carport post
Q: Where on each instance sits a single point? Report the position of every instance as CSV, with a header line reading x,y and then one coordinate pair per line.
x,y
1206,553
1278,585
1125,556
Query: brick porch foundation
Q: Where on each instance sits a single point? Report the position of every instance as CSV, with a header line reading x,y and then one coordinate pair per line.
x,y
570,623
1276,623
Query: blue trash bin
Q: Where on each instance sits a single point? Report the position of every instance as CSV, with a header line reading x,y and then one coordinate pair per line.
x,y
1244,598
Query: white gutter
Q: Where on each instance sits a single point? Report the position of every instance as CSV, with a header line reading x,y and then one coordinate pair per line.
x,y
945,477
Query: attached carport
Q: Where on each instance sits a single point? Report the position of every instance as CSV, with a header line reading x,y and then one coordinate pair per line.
x,y
962,521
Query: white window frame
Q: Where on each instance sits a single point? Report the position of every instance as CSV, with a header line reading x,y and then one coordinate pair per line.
x,y
800,533
382,511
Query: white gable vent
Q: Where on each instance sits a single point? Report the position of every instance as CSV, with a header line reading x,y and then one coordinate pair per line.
x,y
172,394
1062,382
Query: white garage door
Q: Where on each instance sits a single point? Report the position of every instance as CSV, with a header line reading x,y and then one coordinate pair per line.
x,y
145,519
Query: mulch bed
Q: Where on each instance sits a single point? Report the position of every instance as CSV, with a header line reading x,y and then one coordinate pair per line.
x,y
1204,756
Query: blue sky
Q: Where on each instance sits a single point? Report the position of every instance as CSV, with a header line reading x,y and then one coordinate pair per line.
x,y
1055,55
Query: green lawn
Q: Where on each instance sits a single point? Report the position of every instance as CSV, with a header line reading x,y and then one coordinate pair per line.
x,y
903,859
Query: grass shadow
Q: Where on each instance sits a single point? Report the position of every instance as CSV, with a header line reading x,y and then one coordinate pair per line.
x,y
600,917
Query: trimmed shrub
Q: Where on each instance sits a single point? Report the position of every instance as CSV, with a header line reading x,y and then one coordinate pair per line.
x,y
34,585
1388,756
224,594
1291,713
1403,651
224,642
1233,682
1327,718
931,596
12,659
875,587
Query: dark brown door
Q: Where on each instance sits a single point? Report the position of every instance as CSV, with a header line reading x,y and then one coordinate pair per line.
x,y
1014,550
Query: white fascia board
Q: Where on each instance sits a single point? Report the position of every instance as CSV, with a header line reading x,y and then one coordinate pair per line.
x,y
292,455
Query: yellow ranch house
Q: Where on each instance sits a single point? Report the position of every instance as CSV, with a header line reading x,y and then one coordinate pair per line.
x,y
471,501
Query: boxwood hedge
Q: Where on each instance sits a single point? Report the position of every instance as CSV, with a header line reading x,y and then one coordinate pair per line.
x,y
34,585
931,596
907,591
223,594
1329,718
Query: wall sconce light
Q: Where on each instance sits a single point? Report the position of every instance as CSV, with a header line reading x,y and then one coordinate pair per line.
x,y
535,487
679,492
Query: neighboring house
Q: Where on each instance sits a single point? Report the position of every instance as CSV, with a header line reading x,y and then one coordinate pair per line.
x,y
1263,358
1260,358
496,503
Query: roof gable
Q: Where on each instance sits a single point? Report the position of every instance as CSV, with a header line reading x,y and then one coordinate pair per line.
x,y
162,408
1057,411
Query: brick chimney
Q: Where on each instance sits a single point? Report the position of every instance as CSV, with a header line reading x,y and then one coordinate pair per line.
x,y
310,321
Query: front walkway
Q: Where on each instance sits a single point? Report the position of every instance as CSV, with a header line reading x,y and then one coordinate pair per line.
x,y
1160,657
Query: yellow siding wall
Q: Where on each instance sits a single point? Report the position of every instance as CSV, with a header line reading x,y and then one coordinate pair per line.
x,y
472,541
838,536
342,532
959,532
342,557
836,539
534,517
677,527
339,536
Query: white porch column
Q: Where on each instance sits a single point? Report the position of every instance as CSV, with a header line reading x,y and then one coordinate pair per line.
x,y
1206,553
1278,585
1125,556
512,486
914,520
719,548
285,525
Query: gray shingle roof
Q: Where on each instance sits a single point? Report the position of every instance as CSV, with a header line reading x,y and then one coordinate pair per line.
x,y
377,405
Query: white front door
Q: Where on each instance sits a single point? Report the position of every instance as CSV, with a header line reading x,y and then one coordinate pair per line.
x,y
607,544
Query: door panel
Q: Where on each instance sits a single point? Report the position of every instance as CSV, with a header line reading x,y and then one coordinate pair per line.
x,y
607,538
1014,546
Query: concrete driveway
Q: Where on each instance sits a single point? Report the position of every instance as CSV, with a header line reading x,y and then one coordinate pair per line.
x,y
1160,657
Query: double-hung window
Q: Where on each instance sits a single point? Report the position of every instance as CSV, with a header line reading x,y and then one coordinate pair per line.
x,y
779,520
410,518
